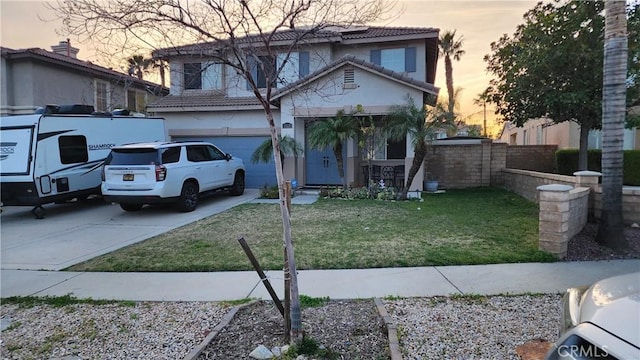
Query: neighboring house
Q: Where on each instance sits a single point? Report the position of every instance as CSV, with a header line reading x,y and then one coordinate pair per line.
x,y
565,135
34,77
338,68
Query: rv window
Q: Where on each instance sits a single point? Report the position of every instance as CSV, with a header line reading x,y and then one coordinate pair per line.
x,y
73,149
133,157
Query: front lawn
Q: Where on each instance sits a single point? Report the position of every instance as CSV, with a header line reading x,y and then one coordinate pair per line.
x,y
475,226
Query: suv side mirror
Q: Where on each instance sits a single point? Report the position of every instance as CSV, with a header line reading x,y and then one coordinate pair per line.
x,y
227,156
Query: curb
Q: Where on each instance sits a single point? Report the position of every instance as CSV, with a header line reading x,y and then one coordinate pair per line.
x,y
226,319
392,330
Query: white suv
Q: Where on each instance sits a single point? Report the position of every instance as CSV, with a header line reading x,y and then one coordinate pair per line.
x,y
160,172
601,321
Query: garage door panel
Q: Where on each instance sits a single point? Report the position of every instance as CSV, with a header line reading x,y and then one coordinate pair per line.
x,y
257,175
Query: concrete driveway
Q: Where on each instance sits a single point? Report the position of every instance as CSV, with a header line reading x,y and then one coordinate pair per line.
x,y
75,232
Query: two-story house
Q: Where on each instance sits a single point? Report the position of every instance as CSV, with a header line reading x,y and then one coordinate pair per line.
x,y
337,68
35,77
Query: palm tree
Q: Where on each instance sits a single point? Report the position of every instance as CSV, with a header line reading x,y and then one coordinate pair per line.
x,y
161,66
611,229
138,65
450,48
333,132
421,126
482,99
288,146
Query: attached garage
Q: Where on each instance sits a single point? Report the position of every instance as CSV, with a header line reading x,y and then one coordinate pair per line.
x,y
243,147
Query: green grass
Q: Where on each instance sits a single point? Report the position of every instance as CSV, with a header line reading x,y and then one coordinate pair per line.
x,y
474,226
58,301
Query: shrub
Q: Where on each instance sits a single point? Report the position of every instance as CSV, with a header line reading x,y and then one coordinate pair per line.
x,y
375,191
567,163
269,192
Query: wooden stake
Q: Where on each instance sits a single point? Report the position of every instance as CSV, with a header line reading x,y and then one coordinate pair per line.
x,y
261,273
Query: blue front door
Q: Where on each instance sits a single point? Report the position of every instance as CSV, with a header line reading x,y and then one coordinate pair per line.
x,y
321,166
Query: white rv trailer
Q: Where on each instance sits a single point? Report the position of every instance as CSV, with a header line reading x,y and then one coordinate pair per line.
x,y
47,158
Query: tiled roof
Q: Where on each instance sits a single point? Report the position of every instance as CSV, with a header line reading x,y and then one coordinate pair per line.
x,y
331,34
203,100
51,57
200,101
378,31
398,76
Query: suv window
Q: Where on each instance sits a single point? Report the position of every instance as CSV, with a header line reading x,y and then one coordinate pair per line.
x,y
132,157
216,154
197,153
171,155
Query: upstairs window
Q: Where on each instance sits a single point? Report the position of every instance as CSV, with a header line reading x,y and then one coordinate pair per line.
x,y
295,67
398,59
202,76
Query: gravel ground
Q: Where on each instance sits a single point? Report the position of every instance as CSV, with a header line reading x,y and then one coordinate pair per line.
x,y
473,327
429,328
584,247
145,330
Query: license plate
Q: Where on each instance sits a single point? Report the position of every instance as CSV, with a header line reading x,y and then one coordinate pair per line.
x,y
127,177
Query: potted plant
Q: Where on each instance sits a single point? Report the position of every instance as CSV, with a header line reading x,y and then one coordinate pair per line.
x,y
431,184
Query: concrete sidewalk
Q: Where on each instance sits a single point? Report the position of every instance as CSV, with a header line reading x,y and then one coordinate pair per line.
x,y
336,284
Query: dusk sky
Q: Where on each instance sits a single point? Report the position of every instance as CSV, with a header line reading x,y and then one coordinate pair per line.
x,y
479,22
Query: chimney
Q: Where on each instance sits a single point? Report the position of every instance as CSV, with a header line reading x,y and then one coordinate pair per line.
x,y
64,48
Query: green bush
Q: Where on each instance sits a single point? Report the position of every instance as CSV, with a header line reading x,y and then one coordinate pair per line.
x,y
632,167
269,192
373,192
567,163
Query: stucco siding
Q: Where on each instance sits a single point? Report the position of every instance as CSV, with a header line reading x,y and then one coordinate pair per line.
x,y
235,123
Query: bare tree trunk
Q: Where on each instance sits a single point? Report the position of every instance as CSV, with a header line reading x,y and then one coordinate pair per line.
x,y
611,229
295,314
583,153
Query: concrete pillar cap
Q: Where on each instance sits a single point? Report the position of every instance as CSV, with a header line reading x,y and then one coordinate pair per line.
x,y
587,173
555,188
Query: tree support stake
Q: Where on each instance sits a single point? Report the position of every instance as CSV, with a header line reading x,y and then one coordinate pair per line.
x,y
261,274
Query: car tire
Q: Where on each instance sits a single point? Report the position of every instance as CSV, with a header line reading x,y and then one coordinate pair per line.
x,y
131,207
238,184
188,197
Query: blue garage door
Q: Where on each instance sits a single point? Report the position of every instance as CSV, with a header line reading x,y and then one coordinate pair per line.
x,y
257,175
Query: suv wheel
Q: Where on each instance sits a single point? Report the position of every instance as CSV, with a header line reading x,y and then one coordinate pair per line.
x,y
130,207
238,184
188,197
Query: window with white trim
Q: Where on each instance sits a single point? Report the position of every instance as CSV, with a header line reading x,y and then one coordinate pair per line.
x,y
383,148
396,59
295,67
102,95
203,76
131,100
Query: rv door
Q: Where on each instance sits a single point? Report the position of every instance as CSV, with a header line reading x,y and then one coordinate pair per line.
x,y
15,150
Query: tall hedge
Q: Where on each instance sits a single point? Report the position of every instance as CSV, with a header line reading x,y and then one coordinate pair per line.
x,y
567,163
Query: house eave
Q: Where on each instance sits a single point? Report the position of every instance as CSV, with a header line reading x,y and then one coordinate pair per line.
x,y
385,39
182,109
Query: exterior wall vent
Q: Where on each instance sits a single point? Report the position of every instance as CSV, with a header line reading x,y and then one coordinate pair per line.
x,y
350,78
